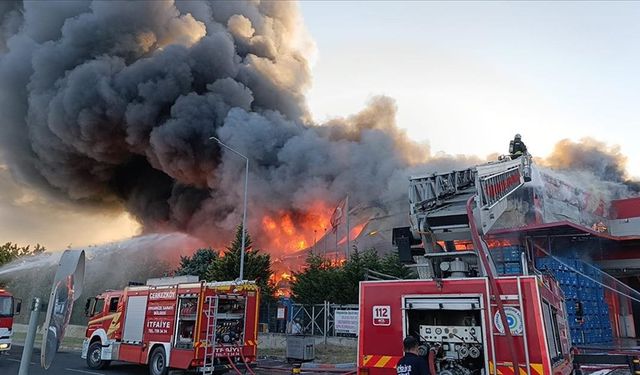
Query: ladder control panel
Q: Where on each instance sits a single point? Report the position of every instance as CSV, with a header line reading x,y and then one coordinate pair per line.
x,y
453,334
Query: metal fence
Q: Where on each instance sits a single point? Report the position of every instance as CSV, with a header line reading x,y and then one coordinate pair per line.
x,y
316,320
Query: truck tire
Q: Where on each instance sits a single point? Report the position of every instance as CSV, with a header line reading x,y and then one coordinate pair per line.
x,y
158,362
93,357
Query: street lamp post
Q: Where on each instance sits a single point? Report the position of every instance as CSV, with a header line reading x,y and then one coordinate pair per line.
x,y
244,211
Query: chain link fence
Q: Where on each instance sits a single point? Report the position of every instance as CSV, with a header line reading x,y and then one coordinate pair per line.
x,y
325,319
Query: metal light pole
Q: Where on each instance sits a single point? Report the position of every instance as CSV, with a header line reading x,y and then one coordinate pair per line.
x,y
27,350
244,211
314,242
325,244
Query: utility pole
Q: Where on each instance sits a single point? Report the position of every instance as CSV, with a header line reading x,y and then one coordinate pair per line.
x,y
346,212
325,243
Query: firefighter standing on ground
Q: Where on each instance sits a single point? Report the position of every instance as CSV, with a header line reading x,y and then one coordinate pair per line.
x,y
411,363
517,148
296,327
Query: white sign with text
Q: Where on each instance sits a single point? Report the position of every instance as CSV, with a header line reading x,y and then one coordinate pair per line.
x,y
346,321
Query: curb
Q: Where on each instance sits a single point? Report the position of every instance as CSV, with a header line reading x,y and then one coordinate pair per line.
x,y
327,366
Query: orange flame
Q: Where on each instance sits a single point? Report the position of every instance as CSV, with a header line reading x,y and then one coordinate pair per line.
x,y
282,281
492,243
353,233
289,232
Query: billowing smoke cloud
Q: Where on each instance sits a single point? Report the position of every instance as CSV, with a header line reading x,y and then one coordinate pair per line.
x,y
595,164
111,103
606,162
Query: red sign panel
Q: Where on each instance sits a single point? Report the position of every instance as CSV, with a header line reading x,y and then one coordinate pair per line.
x,y
381,315
162,295
227,350
159,326
161,308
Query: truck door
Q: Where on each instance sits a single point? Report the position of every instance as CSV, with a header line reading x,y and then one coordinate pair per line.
x,y
186,321
133,331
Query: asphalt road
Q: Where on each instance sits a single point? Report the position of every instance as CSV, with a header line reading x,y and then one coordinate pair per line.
x,y
66,362
70,363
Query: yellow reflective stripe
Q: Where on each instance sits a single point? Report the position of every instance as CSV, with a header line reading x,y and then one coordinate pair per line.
x,y
106,317
537,367
383,361
491,368
366,359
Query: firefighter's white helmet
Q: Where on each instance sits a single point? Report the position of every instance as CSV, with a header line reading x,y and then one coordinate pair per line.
x,y
518,136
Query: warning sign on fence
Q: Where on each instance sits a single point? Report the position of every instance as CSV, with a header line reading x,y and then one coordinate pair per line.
x,y
346,322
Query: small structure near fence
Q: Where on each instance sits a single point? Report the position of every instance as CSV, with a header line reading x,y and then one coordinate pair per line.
x,y
325,319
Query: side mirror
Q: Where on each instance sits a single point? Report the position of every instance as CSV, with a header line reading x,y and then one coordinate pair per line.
x,y
18,306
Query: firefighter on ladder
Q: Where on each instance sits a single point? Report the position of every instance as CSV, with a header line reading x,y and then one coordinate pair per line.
x,y
517,148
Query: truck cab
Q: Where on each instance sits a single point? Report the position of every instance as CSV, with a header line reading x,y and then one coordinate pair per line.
x,y
9,307
104,312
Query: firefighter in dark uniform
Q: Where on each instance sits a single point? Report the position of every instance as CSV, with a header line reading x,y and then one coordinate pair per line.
x,y
411,363
517,148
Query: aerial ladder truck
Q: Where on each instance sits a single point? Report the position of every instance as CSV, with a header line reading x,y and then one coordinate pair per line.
x,y
468,318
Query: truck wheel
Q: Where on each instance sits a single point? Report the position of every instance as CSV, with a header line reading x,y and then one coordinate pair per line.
x,y
93,357
158,362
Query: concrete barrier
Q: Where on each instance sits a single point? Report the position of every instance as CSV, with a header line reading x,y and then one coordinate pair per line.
x,y
279,341
72,330
265,340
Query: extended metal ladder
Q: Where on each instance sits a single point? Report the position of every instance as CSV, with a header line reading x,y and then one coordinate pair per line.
x,y
211,310
514,301
496,294
437,202
445,207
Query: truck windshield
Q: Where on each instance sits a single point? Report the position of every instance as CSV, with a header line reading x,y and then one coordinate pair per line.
x,y
6,306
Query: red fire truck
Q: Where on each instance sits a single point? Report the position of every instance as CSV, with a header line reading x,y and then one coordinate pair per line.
x,y
8,308
459,325
175,323
468,319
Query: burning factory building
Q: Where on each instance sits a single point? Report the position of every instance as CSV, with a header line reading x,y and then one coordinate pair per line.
x,y
113,107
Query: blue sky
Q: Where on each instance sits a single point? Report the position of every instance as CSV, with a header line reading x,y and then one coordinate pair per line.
x,y
469,75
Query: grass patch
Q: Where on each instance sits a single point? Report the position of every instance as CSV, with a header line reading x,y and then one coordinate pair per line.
x,y
324,354
73,343
335,354
272,353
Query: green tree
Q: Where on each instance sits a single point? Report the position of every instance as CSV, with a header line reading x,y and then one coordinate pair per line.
x,y
319,281
10,251
354,270
197,264
257,265
390,265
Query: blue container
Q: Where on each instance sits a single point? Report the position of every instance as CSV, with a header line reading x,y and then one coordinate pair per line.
x,y
512,268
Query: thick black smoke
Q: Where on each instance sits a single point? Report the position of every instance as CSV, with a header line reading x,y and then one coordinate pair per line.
x,y
113,103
